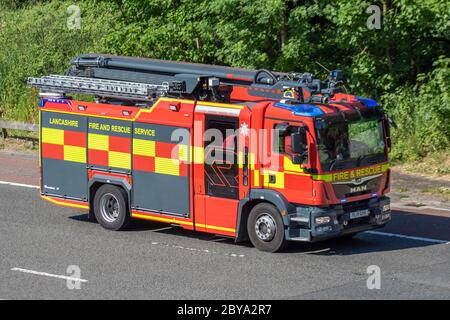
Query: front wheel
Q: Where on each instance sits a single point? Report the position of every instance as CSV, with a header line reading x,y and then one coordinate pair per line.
x,y
111,207
265,228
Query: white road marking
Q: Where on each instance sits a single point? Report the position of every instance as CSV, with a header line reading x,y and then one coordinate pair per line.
x,y
407,237
195,249
45,274
402,207
436,208
14,184
241,255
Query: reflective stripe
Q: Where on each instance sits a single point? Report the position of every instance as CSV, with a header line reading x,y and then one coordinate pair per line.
x,y
252,161
256,178
289,166
144,147
183,152
98,141
199,155
200,225
53,136
167,166
169,220
66,204
279,179
240,159
119,160
75,154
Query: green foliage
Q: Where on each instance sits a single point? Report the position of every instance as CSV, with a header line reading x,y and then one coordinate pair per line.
x,y
422,114
404,64
35,41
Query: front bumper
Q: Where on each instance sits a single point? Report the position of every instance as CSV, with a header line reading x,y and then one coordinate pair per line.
x,y
302,224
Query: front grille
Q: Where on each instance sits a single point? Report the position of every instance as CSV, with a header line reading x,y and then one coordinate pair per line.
x,y
350,189
357,193
357,222
354,206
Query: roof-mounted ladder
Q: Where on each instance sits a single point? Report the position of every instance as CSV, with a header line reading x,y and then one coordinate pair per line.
x,y
56,84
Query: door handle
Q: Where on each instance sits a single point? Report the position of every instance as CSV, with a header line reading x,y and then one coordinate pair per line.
x,y
272,178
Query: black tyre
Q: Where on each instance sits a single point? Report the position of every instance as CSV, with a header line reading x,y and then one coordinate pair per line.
x,y
111,207
265,228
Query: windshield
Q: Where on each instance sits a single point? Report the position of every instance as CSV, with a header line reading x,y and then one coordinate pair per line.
x,y
344,145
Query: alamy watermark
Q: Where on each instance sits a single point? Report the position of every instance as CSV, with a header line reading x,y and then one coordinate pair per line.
x,y
374,20
74,17
374,280
74,281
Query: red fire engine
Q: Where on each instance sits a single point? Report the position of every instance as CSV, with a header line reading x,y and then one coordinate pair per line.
x,y
270,157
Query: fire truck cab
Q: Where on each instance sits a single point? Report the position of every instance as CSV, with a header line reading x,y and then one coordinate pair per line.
x,y
253,167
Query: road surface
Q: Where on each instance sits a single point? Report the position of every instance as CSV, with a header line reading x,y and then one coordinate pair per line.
x,y
39,241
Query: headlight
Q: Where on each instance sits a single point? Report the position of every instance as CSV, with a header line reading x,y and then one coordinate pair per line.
x,y
386,207
322,220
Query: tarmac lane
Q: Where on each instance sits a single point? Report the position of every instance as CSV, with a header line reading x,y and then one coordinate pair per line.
x,y
51,252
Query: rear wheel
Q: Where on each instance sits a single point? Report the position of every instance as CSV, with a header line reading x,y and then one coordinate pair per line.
x,y
265,228
111,207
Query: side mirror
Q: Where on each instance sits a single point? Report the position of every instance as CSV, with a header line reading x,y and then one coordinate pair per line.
x,y
388,123
299,142
297,159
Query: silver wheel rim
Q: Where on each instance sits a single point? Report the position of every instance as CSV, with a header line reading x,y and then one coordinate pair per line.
x,y
265,227
109,207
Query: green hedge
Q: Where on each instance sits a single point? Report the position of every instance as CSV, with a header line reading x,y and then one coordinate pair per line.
x,y
35,41
422,114
405,64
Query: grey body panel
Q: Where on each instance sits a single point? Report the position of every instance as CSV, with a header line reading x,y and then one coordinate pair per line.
x,y
59,177
64,179
159,192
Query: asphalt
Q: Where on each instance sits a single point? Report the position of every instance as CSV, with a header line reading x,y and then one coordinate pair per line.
x,y
154,261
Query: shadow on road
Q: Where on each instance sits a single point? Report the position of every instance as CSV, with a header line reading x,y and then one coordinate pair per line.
x,y
434,226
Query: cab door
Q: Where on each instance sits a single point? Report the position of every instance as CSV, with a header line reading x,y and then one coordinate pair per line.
x,y
222,182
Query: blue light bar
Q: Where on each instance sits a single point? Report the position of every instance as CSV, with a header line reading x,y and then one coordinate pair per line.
x,y
43,101
307,110
369,103
343,200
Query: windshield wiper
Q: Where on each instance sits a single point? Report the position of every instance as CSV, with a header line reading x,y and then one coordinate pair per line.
x,y
371,158
333,162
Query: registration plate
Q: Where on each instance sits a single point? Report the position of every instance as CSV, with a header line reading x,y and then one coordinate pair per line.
x,y
359,214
